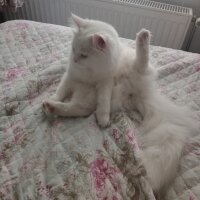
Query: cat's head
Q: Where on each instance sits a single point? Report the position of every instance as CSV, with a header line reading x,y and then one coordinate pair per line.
x,y
95,43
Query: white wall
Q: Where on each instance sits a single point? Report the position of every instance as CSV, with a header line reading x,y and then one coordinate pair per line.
x,y
195,44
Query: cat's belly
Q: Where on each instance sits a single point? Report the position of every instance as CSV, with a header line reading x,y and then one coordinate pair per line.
x,y
85,95
122,97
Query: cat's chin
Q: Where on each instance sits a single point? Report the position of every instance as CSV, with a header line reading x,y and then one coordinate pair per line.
x,y
80,65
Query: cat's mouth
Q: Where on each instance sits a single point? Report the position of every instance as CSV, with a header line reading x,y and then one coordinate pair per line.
x,y
81,65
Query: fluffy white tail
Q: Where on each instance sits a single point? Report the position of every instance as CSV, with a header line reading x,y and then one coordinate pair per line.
x,y
164,132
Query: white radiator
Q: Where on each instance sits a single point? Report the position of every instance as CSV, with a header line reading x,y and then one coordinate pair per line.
x,y
168,23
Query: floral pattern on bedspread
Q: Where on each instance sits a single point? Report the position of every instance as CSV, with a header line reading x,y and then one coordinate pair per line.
x,y
59,158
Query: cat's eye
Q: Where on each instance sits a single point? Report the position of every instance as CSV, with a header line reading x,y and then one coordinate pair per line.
x,y
84,56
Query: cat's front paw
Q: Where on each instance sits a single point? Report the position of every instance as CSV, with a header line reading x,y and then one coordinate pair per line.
x,y
48,108
103,120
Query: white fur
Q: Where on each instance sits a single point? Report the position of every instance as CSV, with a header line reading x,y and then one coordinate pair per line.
x,y
90,77
165,126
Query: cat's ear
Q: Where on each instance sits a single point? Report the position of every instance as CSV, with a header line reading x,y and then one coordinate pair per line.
x,y
78,21
98,42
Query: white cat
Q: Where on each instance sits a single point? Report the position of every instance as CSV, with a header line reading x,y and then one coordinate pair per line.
x,y
89,79
107,75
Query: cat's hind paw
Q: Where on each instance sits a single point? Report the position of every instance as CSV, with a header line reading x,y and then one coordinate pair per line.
x,y
48,108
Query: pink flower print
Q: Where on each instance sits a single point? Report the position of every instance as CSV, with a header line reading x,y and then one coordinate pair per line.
x,y
6,188
2,155
192,148
56,123
15,127
130,137
191,197
13,73
115,134
18,138
27,166
198,69
101,171
17,26
18,135
196,152
18,131
44,190
31,96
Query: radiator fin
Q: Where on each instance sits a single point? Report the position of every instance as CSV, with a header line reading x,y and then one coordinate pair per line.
x,y
156,5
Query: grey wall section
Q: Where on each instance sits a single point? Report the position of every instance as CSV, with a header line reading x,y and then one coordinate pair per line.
x,y
195,44
195,5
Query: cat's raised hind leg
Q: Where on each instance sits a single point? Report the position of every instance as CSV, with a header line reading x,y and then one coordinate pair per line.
x,y
142,49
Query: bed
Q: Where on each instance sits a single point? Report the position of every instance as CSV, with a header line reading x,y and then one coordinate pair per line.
x,y
72,158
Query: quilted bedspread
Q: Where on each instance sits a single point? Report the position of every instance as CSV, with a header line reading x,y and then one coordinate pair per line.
x,y
72,158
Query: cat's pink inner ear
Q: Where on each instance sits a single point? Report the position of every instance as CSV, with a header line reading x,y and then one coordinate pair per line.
x,y
98,42
78,20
